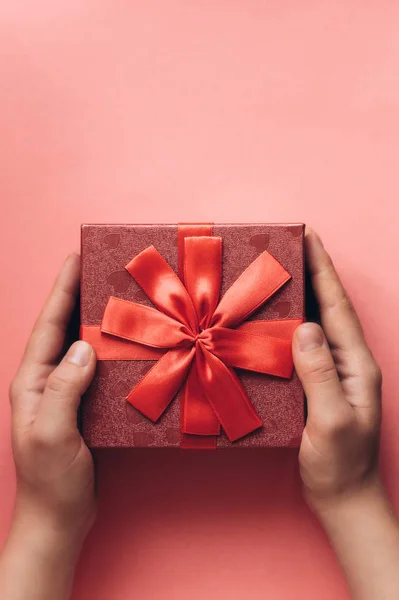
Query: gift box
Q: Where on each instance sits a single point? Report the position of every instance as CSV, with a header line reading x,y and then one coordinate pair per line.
x,y
192,325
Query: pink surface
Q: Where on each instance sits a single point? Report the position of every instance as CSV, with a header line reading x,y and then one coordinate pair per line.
x,y
186,111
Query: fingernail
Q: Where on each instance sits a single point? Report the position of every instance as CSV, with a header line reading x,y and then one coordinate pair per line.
x,y
309,337
79,353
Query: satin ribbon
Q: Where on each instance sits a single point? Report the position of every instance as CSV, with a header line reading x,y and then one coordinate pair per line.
x,y
196,338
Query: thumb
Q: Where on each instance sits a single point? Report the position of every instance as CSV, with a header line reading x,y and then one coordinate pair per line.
x,y
65,386
316,370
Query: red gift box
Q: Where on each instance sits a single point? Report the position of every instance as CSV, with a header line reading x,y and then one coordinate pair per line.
x,y
182,363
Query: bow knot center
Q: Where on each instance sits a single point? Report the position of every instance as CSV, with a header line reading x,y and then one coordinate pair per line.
x,y
203,337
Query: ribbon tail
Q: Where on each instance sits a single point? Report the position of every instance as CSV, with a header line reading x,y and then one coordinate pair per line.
x,y
197,442
226,395
142,324
153,394
198,415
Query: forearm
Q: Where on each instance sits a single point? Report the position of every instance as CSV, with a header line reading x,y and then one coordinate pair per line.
x,y
38,562
364,532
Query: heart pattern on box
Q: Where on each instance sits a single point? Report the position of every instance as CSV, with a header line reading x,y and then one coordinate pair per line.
x,y
146,368
121,388
143,438
140,295
89,249
133,415
120,281
295,231
97,312
112,240
282,309
104,367
260,241
173,435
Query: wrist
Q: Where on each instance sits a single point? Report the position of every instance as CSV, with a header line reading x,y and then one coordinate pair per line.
x,y
328,508
40,551
44,539
48,530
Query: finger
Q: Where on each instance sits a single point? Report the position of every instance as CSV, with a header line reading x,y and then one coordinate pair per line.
x,y
355,364
339,319
65,386
46,341
316,370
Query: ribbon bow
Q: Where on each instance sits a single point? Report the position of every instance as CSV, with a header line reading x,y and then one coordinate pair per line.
x,y
199,339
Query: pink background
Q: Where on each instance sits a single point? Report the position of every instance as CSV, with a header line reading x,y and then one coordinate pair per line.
x,y
240,110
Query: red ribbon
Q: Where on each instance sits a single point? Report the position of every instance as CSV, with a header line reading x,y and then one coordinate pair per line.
x,y
197,338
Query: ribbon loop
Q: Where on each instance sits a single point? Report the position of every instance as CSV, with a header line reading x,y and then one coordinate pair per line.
x,y
143,324
264,276
163,287
243,350
203,274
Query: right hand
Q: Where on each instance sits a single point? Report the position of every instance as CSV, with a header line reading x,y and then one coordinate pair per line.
x,y
342,383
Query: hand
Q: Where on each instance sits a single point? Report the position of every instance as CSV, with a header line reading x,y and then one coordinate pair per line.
x,y
55,480
339,450
55,501
342,383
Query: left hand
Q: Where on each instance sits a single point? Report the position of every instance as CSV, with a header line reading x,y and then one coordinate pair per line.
x,y
55,477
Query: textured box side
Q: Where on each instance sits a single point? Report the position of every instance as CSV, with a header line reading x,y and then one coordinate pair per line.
x,y
107,419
